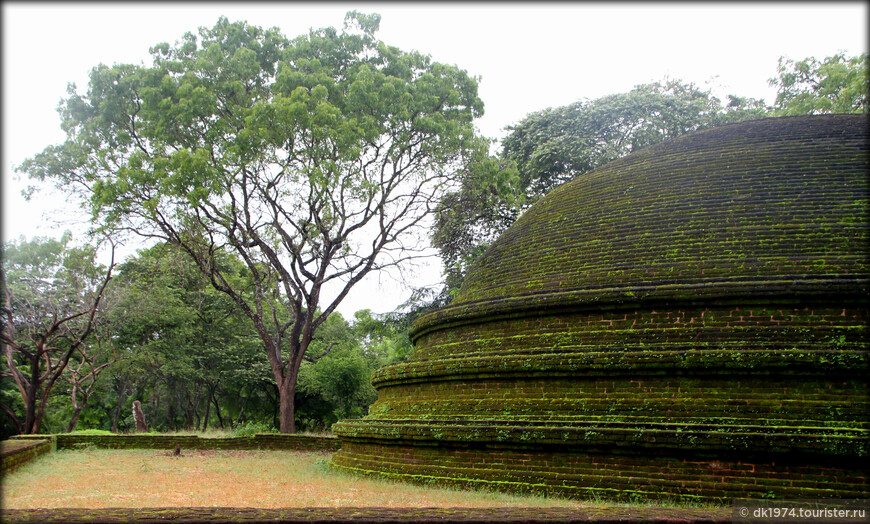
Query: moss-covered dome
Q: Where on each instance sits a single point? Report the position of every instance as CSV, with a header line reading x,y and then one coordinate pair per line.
x,y
696,310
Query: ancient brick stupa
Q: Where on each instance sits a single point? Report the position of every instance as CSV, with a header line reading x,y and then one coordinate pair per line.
x,y
688,321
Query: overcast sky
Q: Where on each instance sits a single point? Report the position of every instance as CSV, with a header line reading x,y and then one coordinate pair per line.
x,y
529,56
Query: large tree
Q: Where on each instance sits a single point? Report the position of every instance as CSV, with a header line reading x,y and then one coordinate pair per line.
x,y
53,303
316,161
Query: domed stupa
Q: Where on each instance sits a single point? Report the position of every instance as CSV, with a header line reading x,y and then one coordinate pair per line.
x,y
686,322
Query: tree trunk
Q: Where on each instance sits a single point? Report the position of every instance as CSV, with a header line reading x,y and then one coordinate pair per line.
x,y
139,417
287,405
31,426
205,417
234,423
195,417
75,418
273,401
77,408
171,411
217,408
189,413
121,395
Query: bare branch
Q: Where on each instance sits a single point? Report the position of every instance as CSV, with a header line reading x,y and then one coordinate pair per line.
x,y
318,357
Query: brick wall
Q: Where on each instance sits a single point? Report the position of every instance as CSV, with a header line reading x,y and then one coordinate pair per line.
x,y
21,449
146,441
14,454
610,475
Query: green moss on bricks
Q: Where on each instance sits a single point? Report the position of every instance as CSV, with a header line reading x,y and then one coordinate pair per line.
x,y
693,215
16,453
579,474
689,321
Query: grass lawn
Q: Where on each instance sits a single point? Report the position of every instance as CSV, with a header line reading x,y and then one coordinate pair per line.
x,y
103,478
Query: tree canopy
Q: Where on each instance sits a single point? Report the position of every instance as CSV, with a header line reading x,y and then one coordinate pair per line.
x,y
315,160
165,337
835,84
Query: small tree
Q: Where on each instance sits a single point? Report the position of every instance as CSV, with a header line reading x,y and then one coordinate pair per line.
x,y
316,161
83,371
338,385
51,306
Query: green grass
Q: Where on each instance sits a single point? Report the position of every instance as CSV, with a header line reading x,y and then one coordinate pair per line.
x,y
91,432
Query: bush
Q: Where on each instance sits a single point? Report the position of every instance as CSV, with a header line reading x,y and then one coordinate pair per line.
x,y
91,432
252,428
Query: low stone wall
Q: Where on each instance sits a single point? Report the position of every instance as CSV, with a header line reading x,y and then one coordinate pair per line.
x,y
155,441
21,449
16,453
612,514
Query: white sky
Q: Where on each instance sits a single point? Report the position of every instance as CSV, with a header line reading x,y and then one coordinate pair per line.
x,y
529,56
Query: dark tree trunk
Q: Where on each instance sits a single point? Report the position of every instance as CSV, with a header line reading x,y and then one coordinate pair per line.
x,y
77,407
239,417
75,418
31,425
272,395
217,407
287,405
172,411
121,397
189,414
205,417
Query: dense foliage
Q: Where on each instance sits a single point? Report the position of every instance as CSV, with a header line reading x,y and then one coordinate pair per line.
x,y
836,84
184,350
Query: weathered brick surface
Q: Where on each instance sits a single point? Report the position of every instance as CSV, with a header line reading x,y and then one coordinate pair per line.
x,y
601,515
14,454
769,198
608,475
699,302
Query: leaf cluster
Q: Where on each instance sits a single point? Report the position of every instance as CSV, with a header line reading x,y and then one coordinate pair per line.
x,y
835,84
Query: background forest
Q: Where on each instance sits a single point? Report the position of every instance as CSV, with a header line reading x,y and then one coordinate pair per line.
x,y
185,325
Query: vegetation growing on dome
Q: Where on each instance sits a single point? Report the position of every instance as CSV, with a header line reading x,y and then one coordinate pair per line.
x,y
683,322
